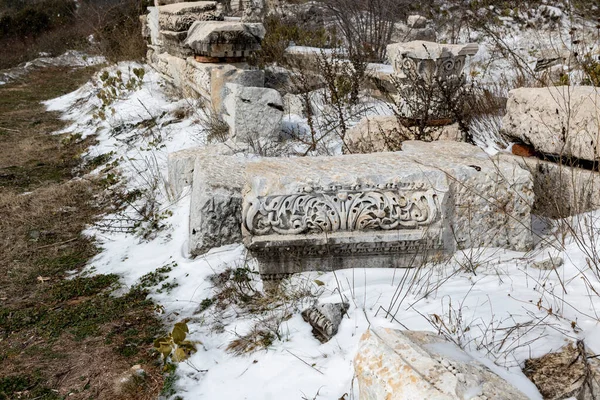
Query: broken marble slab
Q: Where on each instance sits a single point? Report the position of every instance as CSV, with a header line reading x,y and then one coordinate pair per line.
x,y
181,164
562,121
561,190
394,210
179,17
414,365
216,202
225,39
325,319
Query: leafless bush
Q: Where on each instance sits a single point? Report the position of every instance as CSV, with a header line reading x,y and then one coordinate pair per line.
x,y
367,25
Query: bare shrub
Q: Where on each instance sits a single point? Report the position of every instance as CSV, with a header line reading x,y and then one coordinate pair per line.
x,y
367,25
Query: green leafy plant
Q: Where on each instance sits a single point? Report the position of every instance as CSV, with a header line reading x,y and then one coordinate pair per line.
x,y
113,87
174,346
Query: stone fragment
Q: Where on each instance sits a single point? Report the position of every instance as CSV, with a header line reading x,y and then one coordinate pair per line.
x,y
560,120
402,33
572,372
181,164
379,133
413,365
416,21
325,319
230,74
216,202
253,114
294,104
560,190
173,44
431,58
179,17
231,39
549,263
393,210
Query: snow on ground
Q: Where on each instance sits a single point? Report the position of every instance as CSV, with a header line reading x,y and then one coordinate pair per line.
x,y
70,58
489,301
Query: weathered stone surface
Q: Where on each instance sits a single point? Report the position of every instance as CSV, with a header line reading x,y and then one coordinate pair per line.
x,y
412,365
549,263
393,210
558,120
560,190
492,197
403,33
179,17
325,319
225,38
416,21
173,44
379,133
294,104
181,164
568,373
230,74
216,203
430,58
191,77
253,114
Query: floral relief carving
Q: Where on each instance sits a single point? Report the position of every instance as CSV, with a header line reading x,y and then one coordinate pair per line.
x,y
342,210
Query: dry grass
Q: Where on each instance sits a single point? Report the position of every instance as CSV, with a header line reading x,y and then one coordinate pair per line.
x,y
59,338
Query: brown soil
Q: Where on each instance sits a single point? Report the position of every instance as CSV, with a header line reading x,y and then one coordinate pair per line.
x,y
60,338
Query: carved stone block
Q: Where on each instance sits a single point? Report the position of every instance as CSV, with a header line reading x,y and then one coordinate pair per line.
x,y
179,17
429,58
225,38
393,210
216,203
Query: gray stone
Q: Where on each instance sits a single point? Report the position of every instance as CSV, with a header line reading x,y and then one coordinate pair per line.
x,y
560,190
548,264
173,44
294,104
559,120
403,33
225,38
230,74
325,319
416,21
181,164
179,17
412,365
379,133
393,210
253,114
216,202
571,372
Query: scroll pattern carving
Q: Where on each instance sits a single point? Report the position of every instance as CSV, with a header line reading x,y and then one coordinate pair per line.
x,y
442,67
341,211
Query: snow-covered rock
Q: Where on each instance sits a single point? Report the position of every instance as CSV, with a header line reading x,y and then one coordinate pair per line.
x,y
414,365
561,120
416,21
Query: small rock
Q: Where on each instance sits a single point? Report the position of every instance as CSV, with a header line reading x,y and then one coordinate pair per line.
x,y
565,373
416,21
325,319
548,264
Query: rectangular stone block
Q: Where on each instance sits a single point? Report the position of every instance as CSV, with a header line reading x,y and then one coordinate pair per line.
x,y
384,210
216,202
179,17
